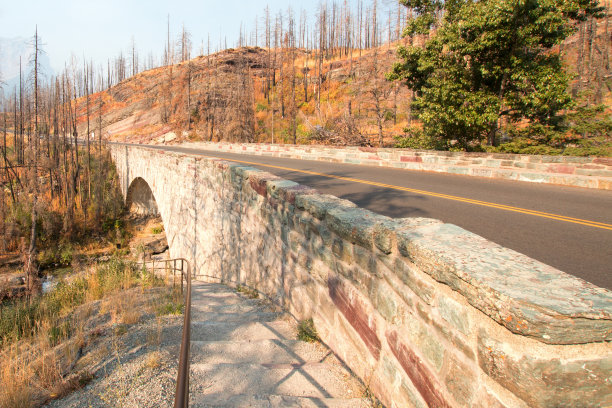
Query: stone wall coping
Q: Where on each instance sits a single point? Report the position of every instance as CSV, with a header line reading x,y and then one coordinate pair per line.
x,y
527,297
587,172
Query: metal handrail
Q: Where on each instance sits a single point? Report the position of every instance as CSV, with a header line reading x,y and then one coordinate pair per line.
x,y
181,397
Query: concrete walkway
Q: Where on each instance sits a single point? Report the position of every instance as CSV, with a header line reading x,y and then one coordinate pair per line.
x,y
244,353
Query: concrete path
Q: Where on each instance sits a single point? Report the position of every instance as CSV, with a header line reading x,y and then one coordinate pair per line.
x,y
245,353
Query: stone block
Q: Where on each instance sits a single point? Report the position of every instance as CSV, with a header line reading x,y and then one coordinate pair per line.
x,y
424,338
319,204
259,185
324,307
458,170
386,302
604,184
365,259
304,259
479,172
454,313
288,190
547,381
454,338
305,223
395,387
342,250
296,241
461,381
408,274
356,225
486,399
554,308
326,256
416,159
597,173
356,313
383,235
420,375
561,168
603,160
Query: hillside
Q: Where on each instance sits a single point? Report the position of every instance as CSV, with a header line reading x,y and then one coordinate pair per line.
x,y
236,95
215,89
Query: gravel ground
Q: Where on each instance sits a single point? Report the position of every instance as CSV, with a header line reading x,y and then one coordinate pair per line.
x,y
132,365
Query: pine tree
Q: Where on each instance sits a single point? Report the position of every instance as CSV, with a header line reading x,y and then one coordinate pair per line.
x,y
488,62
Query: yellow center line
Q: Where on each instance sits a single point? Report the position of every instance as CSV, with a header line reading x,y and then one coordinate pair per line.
x,y
558,217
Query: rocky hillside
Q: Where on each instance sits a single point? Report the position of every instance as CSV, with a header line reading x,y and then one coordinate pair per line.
x,y
225,97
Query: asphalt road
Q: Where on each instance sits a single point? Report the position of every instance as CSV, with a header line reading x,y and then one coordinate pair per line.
x,y
565,227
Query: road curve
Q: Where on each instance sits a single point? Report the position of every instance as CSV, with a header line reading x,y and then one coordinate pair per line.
x,y
566,227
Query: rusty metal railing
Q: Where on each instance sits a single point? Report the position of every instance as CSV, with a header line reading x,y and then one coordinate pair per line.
x,y
181,397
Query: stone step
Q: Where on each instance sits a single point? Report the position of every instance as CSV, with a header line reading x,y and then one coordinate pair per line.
x,y
210,287
314,380
254,316
258,351
215,300
206,294
273,401
219,331
219,306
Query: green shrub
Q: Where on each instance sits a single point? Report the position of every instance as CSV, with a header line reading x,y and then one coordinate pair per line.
x,y
173,304
307,331
416,139
170,308
248,292
65,254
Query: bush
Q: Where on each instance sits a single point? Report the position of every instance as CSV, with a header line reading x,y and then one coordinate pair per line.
x,y
307,331
65,254
260,107
173,304
417,139
587,147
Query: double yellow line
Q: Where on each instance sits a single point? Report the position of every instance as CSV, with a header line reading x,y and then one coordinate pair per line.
x,y
557,217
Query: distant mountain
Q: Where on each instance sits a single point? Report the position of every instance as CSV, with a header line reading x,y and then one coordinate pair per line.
x,y
10,51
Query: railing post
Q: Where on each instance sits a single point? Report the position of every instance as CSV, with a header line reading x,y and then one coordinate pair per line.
x,y
181,397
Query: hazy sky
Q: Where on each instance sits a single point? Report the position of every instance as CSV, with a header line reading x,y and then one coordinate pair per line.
x,y
100,29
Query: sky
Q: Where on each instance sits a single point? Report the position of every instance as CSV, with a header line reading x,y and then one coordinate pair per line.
x,y
100,29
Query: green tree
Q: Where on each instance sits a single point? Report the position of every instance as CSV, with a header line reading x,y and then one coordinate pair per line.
x,y
479,64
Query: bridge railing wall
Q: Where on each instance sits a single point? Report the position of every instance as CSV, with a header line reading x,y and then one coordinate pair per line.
x,y
589,172
425,313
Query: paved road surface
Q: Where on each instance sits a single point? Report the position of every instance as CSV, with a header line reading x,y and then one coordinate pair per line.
x,y
566,227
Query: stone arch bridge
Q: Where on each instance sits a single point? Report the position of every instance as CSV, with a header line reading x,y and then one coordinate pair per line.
x,y
425,313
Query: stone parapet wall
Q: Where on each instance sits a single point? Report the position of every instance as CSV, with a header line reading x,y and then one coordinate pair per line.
x,y
589,172
425,313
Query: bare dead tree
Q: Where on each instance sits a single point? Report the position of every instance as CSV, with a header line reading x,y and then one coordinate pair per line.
x,y
134,57
30,267
185,44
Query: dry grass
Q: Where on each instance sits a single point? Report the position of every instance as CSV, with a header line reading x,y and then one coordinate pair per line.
x,y
42,342
153,360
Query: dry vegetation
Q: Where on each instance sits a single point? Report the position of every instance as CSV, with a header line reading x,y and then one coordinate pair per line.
x,y
56,343
230,100
284,94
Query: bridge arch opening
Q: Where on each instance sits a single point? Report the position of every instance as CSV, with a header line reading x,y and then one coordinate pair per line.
x,y
140,199
149,233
